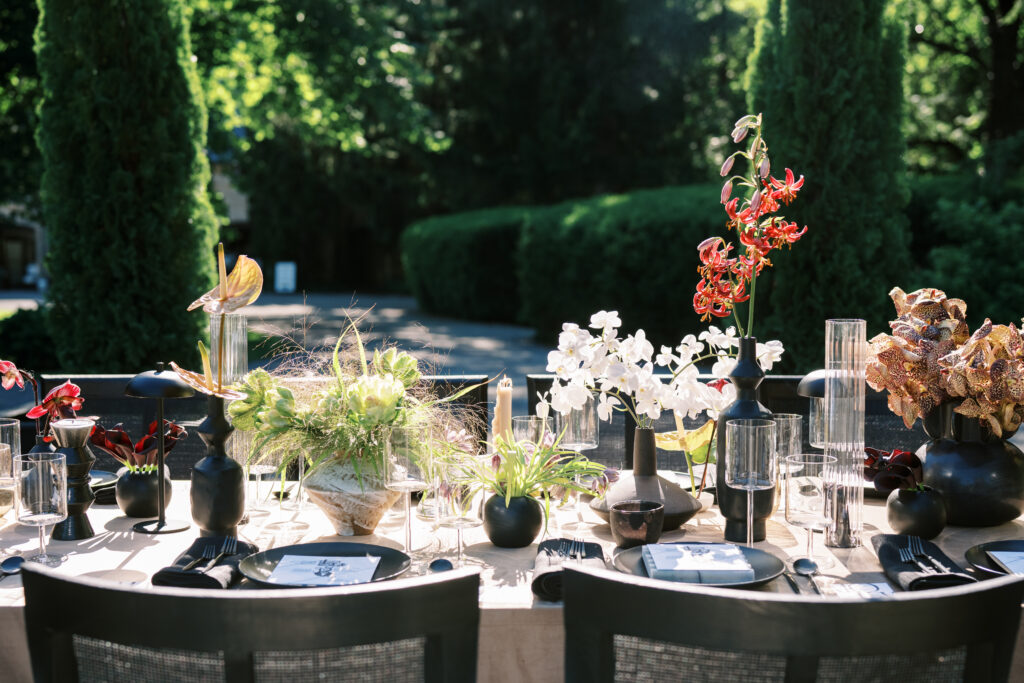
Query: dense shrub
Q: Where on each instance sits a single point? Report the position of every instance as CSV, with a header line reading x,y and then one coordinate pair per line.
x,y
130,228
464,265
25,341
635,253
828,79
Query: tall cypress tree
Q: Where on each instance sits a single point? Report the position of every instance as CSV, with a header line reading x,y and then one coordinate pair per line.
x,y
828,78
130,227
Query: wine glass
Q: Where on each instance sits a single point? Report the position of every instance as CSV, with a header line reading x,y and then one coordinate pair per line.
x,y
579,432
41,481
531,428
750,462
788,441
405,468
805,503
456,498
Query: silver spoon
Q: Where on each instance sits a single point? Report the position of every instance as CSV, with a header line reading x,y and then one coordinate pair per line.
x,y
11,565
805,566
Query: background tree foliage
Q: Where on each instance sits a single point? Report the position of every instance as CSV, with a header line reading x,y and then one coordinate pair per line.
x,y
122,130
20,164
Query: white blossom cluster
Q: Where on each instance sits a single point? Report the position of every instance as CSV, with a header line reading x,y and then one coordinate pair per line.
x,y
622,371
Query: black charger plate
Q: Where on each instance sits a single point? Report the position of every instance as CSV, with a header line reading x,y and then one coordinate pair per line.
x,y
258,567
765,565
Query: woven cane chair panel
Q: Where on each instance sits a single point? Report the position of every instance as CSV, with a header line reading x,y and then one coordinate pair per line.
x,y
639,660
945,666
101,661
399,661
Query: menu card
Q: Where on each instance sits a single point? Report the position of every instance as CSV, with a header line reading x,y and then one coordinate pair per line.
x,y
1010,560
697,562
313,570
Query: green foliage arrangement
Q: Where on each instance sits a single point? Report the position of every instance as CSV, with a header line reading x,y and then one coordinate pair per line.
x,y
829,78
122,134
464,265
625,252
26,340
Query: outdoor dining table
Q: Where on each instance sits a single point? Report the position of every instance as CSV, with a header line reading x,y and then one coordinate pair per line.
x,y
521,637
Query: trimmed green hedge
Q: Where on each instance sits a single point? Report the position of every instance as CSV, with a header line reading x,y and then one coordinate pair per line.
x,y
464,265
635,253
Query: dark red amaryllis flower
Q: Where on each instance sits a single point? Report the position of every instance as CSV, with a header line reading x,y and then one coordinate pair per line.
x,y
140,454
11,375
61,402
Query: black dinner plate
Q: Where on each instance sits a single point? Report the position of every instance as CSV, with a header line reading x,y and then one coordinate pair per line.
x,y
978,557
258,567
99,479
765,565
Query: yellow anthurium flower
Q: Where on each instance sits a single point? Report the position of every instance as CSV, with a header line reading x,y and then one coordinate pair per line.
x,y
206,382
240,288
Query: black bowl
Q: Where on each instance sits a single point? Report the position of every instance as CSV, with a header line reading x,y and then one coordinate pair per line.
x,y
636,522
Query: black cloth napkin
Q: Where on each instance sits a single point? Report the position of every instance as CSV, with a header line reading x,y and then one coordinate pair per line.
x,y
910,577
222,576
105,495
552,554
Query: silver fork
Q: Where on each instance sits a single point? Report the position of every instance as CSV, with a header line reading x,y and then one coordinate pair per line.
x,y
907,556
209,552
227,548
581,548
917,547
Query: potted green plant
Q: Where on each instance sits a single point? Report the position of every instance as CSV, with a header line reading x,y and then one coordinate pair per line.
x,y
338,419
520,474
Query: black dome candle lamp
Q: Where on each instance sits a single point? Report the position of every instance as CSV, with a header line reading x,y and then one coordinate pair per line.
x,y
812,386
159,384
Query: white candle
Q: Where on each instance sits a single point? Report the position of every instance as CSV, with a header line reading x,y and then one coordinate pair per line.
x,y
502,425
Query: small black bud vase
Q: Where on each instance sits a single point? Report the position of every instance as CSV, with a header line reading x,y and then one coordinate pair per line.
x,y
218,484
732,502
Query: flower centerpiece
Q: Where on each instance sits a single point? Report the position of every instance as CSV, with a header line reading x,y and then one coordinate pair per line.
x,y
339,420
621,372
521,473
968,391
136,490
61,402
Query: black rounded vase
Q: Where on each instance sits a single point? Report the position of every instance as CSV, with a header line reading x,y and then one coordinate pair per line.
x,y
644,483
747,376
218,484
137,493
980,478
916,513
514,526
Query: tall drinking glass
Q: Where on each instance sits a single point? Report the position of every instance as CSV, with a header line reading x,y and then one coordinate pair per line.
x,y
750,461
406,470
788,441
579,432
530,428
10,446
456,498
805,502
42,495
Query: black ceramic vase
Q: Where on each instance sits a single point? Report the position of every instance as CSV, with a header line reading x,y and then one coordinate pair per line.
x,y
644,483
72,436
916,513
137,492
218,484
514,526
746,376
980,478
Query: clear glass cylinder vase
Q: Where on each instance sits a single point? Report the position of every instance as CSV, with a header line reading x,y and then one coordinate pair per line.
x,y
235,351
845,363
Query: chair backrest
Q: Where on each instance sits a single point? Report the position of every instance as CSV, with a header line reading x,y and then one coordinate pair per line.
x,y
621,627
420,629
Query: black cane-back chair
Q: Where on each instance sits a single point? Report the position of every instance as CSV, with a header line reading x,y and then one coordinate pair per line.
x,y
625,628
420,629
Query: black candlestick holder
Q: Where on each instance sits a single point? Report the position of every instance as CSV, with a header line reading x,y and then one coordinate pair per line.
x,y
159,384
72,436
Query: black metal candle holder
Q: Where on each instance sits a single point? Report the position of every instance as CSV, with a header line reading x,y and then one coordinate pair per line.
x,y
159,384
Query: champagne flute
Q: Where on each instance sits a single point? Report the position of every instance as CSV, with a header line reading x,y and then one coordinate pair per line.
x,y
579,432
750,462
406,470
805,503
531,428
42,495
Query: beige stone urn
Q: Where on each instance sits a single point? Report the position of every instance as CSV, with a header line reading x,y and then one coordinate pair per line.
x,y
354,503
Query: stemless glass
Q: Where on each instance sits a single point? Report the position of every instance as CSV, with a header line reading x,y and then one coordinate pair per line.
x,y
805,500
42,495
406,470
530,428
579,432
456,497
750,461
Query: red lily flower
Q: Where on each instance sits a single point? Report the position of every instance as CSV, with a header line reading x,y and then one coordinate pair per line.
x,y
135,456
61,402
786,191
11,375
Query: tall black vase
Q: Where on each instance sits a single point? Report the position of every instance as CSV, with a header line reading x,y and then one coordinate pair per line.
x,y
72,438
746,376
218,484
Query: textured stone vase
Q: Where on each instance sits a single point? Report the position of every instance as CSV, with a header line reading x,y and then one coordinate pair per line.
x,y
354,503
